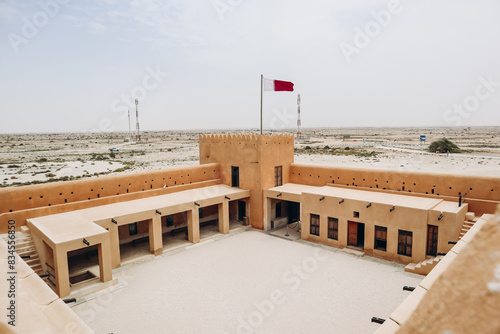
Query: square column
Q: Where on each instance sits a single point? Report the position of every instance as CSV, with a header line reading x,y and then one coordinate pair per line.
x,y
105,261
224,217
115,246
61,272
155,235
267,213
193,222
305,224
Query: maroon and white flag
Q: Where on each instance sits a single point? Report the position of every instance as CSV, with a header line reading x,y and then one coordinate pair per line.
x,y
277,85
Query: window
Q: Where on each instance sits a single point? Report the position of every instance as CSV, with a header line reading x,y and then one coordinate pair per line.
x,y
380,238
355,214
170,220
405,240
333,228
314,224
235,176
278,176
278,210
132,228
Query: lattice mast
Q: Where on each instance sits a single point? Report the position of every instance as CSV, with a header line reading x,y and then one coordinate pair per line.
x,y
138,132
129,130
299,133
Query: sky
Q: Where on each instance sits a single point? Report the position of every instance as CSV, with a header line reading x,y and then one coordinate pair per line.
x,y
78,66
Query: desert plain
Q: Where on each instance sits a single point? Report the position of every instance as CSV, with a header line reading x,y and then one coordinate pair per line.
x,y
39,158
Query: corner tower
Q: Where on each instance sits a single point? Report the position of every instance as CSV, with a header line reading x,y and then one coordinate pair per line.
x,y
250,161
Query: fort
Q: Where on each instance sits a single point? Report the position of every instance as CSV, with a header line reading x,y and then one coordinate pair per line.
x,y
431,223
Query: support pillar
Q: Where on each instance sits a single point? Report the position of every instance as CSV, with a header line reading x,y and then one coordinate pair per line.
x,y
115,246
248,211
61,272
105,270
267,213
193,222
305,226
224,217
155,235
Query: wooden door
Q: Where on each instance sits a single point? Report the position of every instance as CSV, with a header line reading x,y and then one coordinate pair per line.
x,y
353,234
432,240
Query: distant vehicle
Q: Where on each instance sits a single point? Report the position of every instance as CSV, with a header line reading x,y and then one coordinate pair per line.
x,y
114,149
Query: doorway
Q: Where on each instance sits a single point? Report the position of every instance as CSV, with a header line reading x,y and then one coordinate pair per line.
x,y
235,176
432,240
83,265
293,212
242,207
356,234
134,241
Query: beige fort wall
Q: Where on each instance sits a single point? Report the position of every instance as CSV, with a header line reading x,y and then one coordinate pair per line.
x,y
256,156
463,297
26,202
482,193
462,293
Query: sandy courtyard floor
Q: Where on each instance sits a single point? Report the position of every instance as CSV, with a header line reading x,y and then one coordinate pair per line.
x,y
251,282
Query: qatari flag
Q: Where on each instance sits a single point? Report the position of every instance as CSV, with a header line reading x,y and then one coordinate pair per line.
x,y
277,85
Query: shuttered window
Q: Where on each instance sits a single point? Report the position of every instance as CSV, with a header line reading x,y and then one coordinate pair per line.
x,y
405,240
333,228
278,176
314,224
380,238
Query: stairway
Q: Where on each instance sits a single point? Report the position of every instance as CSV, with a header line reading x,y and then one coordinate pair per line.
x,y
423,267
467,225
26,247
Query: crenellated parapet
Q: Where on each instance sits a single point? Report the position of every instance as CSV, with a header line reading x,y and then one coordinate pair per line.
x,y
245,138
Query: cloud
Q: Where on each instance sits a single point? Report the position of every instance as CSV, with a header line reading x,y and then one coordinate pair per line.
x,y
96,27
419,65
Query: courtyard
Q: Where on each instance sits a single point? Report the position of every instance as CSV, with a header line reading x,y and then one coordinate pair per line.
x,y
249,282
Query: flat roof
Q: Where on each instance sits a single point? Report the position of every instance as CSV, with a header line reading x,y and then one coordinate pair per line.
x,y
409,201
67,227
78,224
294,188
447,206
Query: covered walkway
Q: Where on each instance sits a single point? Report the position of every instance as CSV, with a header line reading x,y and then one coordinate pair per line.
x,y
56,235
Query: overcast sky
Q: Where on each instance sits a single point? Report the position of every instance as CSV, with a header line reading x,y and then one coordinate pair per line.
x,y
196,64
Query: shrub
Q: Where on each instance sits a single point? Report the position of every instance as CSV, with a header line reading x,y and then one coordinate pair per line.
x,y
444,145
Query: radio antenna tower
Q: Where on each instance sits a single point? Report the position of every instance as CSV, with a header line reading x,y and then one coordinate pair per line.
x,y
299,134
138,134
129,131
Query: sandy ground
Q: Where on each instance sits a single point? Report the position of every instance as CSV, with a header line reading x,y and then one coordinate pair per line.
x,y
30,172
251,282
52,157
438,163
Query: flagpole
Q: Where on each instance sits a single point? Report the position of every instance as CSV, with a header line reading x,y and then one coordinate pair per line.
x,y
261,83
